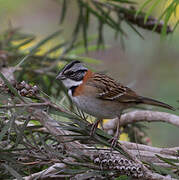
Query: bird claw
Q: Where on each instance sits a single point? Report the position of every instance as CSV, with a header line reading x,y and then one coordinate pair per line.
x,y
113,141
93,128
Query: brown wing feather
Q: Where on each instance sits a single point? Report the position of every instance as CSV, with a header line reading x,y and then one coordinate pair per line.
x,y
108,89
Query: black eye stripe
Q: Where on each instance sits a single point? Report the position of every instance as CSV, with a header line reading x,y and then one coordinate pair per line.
x,y
78,75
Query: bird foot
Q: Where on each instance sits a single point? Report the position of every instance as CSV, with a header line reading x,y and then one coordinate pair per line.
x,y
113,141
93,128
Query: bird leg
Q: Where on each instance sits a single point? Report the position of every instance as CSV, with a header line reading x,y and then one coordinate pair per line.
x,y
101,124
114,140
94,126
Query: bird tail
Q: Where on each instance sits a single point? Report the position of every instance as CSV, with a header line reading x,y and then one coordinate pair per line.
x,y
154,102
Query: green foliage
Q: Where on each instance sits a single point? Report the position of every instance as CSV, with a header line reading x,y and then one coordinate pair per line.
x,y
123,177
169,160
162,170
35,48
165,15
112,13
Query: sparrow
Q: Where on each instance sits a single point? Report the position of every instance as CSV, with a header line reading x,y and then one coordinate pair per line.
x,y
100,96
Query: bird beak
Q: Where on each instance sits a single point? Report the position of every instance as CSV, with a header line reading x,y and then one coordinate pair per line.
x,y
60,76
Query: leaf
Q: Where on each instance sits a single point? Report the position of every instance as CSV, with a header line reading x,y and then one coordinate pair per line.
x,y
158,20
151,9
82,124
63,11
35,48
19,36
167,17
124,1
75,129
100,41
175,25
55,48
168,160
63,114
142,7
84,24
27,41
4,130
77,26
87,17
99,16
48,38
162,170
138,33
69,171
123,177
90,175
21,133
13,172
107,19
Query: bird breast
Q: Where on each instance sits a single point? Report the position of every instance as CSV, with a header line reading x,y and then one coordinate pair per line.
x,y
97,107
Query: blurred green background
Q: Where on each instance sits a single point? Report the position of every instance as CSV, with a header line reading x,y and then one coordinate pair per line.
x,y
150,65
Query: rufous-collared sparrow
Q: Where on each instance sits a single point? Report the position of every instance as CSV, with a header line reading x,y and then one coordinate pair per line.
x,y
99,95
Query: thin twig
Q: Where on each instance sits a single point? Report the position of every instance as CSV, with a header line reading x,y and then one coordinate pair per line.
x,y
24,105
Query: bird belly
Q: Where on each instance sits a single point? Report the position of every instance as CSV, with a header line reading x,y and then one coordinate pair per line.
x,y
98,108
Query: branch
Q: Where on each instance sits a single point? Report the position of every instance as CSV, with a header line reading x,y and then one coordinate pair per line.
x,y
129,15
46,173
154,150
24,105
140,116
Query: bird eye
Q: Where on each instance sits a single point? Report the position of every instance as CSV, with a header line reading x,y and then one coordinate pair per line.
x,y
77,76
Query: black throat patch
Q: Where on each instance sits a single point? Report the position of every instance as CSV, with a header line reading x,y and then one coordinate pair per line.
x,y
73,89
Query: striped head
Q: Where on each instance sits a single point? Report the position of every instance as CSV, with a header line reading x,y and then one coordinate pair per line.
x,y
72,74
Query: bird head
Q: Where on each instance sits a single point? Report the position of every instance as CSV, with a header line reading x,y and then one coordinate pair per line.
x,y
72,74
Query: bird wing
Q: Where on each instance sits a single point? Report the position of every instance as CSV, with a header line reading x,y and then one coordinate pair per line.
x,y
108,89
